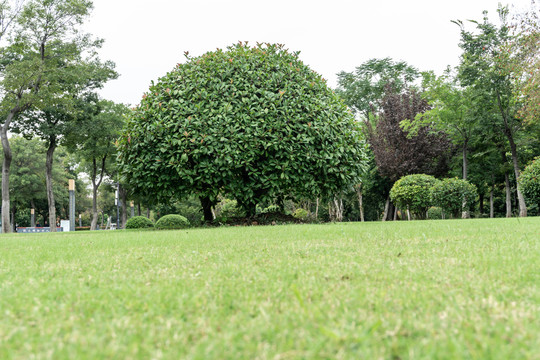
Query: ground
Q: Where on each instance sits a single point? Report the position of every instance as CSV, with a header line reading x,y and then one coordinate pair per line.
x,y
443,289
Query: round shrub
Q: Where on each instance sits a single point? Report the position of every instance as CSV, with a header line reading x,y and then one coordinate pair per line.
x,y
139,222
413,192
529,182
172,222
301,214
454,195
434,213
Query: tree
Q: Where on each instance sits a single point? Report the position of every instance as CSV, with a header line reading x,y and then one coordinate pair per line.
x,y
252,122
363,89
396,153
33,65
484,68
94,143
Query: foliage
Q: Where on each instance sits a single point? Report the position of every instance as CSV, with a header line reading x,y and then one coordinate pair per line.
x,y
139,222
229,208
454,195
412,192
172,221
529,182
434,213
251,123
301,214
363,89
396,153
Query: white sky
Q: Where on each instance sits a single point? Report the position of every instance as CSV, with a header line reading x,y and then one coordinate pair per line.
x,y
146,39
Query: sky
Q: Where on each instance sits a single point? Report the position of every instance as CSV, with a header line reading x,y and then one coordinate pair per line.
x,y
146,39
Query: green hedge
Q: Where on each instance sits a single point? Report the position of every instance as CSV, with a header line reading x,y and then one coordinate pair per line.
x,y
139,222
172,222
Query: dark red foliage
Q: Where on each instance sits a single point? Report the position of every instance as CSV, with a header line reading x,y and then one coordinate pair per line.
x,y
397,155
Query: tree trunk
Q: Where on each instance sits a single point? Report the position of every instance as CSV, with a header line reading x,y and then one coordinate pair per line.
x,y
138,209
48,181
386,210
122,194
513,149
6,166
207,209
148,213
317,209
481,203
491,208
360,201
508,195
521,199
95,187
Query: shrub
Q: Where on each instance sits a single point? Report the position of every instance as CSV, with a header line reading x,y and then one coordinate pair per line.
x,y
453,195
230,208
434,213
529,182
139,222
172,222
413,192
301,214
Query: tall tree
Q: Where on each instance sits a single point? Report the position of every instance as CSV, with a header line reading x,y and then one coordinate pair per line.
x,y
94,145
398,154
33,65
484,69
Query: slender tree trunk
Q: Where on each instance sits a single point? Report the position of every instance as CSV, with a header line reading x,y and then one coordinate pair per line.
x,y
465,214
360,201
317,209
395,213
6,166
521,199
123,199
491,207
508,195
49,182
148,213
138,209
95,186
408,214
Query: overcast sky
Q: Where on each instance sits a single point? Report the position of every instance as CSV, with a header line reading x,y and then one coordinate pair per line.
x,y
146,39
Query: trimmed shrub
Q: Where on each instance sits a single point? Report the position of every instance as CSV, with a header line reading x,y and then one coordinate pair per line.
x,y
454,195
413,192
139,222
172,222
529,182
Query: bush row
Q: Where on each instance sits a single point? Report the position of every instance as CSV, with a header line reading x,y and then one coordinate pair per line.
x,y
420,192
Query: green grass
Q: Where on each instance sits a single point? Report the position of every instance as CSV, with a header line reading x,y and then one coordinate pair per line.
x,y
425,290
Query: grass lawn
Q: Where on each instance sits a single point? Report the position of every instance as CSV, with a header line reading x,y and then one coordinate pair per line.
x,y
445,289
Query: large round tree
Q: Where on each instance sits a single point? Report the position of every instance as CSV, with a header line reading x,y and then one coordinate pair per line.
x,y
254,123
